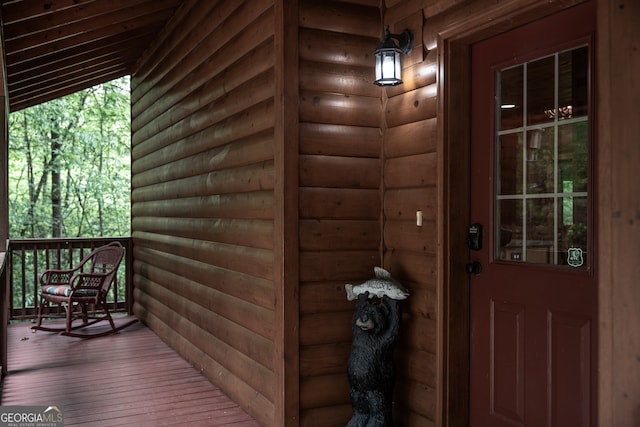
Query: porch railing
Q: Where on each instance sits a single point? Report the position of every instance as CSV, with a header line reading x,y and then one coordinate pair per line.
x,y
27,258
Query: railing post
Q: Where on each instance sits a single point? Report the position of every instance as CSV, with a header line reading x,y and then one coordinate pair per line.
x,y
129,275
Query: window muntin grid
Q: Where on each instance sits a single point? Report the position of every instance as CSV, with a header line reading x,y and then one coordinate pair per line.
x,y
541,145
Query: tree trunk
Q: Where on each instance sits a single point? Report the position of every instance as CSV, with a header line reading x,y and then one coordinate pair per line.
x,y
56,201
30,223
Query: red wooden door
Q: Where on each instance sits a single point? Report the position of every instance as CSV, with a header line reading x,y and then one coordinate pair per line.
x,y
534,300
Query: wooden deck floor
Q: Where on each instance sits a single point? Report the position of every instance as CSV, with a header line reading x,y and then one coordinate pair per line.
x,y
128,379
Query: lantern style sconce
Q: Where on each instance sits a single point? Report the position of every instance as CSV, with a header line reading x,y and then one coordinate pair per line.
x,y
534,144
388,59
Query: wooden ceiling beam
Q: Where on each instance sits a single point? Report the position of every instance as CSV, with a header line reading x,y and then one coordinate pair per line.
x,y
24,48
53,77
20,103
22,10
56,18
56,47
90,73
78,54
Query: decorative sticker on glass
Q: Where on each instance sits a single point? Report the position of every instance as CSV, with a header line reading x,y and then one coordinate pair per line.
x,y
574,257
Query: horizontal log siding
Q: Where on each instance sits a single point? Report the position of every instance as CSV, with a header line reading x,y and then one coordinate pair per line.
x,y
203,195
411,252
339,194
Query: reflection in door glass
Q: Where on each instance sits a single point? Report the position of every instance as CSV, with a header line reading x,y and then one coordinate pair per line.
x,y
542,160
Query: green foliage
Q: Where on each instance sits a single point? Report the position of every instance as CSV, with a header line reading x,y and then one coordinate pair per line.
x,y
69,165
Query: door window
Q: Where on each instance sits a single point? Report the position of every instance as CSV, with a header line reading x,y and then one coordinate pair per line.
x,y
542,141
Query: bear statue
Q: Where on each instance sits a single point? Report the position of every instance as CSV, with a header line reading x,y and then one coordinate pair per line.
x,y
375,328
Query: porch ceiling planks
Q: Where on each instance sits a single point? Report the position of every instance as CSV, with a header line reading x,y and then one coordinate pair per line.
x,y
56,48
128,379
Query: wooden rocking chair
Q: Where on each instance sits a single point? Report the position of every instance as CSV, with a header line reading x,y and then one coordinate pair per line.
x,y
87,283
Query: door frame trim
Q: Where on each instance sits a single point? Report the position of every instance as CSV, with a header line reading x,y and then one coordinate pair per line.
x,y
464,26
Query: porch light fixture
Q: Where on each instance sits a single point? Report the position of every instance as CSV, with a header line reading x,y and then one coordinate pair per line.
x,y
388,57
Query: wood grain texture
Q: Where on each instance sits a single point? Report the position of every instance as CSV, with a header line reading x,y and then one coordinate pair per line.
x,y
203,198
345,49
143,381
339,197
55,49
340,17
619,214
340,140
179,337
412,177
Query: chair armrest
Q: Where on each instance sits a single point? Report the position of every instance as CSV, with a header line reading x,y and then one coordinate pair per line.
x,y
87,282
56,277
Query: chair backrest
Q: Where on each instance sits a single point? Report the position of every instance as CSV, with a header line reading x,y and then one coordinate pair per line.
x,y
105,259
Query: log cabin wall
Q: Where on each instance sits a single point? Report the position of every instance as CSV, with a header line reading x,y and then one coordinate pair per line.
x,y
204,200
203,203
368,162
340,192
411,184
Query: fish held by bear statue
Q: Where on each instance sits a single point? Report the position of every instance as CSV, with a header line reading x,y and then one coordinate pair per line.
x,y
381,285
